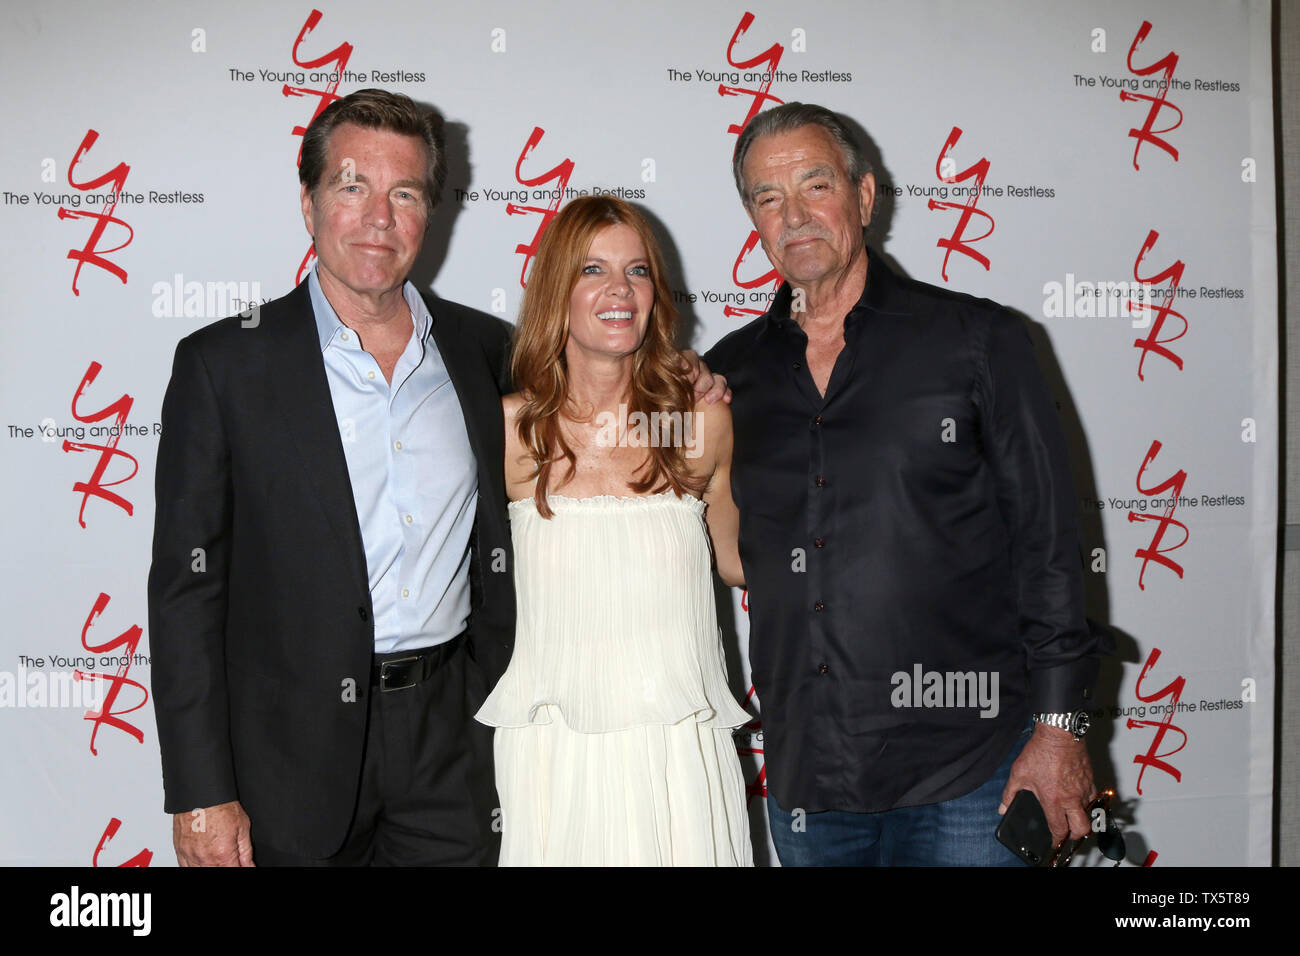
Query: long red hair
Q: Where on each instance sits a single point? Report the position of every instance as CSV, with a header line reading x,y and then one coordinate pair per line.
x,y
541,373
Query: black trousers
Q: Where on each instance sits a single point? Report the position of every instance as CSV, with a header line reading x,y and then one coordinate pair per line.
x,y
426,795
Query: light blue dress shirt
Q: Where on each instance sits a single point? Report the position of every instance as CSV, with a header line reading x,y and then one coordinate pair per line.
x,y
414,477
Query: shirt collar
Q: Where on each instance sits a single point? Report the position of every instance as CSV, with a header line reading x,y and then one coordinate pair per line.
x,y
328,324
884,292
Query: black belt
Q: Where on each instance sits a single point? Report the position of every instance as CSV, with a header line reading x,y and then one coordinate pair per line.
x,y
401,669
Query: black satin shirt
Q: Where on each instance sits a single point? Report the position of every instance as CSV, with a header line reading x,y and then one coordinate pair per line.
x,y
918,518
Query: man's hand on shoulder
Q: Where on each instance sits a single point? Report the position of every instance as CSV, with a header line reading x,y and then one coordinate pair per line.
x,y
213,836
708,386
1056,768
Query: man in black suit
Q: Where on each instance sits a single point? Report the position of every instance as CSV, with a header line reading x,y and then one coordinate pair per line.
x,y
330,596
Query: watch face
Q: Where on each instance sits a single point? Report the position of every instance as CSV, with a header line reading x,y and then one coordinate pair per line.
x,y
1080,724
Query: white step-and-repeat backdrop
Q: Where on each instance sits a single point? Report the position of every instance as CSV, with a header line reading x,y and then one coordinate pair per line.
x,y
1105,168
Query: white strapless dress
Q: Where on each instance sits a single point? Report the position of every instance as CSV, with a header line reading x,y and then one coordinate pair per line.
x,y
613,743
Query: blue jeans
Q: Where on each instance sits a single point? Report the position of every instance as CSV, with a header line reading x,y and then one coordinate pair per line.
x,y
956,832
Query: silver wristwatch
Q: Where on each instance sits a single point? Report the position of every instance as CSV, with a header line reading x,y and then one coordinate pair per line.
x,y
1076,723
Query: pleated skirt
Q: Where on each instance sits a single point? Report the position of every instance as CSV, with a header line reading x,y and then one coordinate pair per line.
x,y
655,795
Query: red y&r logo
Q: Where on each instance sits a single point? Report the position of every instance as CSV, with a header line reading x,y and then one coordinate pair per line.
x,y
96,485
771,57
1153,757
758,788
944,168
338,56
90,252
143,858
559,174
1173,488
1168,296
770,277
128,641
1148,134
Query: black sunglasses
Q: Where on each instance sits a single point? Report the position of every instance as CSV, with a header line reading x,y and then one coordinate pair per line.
x,y
1110,841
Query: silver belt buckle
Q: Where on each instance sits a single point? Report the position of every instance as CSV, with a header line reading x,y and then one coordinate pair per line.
x,y
397,666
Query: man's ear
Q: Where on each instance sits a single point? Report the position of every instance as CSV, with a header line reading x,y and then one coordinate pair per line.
x,y
867,197
308,205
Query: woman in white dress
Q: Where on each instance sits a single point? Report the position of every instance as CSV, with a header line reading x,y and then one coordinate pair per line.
x,y
613,743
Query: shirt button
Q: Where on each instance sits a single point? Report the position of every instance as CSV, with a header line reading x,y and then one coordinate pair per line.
x,y
796,366
823,668
344,337
819,606
397,445
819,542
819,481
371,376
409,519
406,592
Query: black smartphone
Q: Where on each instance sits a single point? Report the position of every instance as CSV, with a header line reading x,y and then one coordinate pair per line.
x,y
1024,830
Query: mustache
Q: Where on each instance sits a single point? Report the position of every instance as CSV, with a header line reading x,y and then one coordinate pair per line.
x,y
808,233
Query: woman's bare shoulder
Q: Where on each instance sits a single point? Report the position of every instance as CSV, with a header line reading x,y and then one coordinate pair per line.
x,y
510,404
707,436
712,421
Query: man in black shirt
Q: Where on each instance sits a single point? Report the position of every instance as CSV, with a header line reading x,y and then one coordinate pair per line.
x,y
908,535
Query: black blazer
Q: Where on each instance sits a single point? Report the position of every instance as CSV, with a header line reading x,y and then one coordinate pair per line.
x,y
260,623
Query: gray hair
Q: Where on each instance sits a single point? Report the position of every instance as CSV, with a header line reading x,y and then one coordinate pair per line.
x,y
787,119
